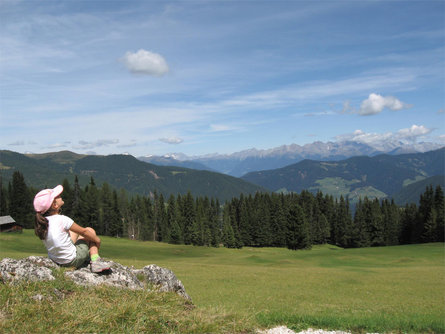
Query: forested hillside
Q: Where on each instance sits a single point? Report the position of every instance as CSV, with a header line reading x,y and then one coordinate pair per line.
x,y
379,176
121,171
294,221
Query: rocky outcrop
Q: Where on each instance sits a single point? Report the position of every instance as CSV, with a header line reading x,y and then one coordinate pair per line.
x,y
118,275
163,278
38,268
33,268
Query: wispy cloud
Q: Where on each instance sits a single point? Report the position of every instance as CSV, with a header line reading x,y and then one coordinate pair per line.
x,y
171,140
84,144
17,143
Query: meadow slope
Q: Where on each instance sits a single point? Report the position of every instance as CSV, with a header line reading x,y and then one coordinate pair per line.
x,y
386,289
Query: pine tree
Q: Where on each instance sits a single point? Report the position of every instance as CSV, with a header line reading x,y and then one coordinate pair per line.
x,y
360,234
215,230
67,198
408,222
188,214
228,237
278,221
20,206
106,217
146,218
391,222
78,213
173,218
4,210
426,210
439,206
115,223
297,228
92,213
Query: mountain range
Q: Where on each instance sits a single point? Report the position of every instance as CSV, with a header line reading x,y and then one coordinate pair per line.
x,y
240,163
402,176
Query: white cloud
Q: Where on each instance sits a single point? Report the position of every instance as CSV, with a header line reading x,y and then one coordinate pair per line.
x,y
172,140
145,62
375,104
413,132
408,135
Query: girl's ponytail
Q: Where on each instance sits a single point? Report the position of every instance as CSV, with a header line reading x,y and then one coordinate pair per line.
x,y
41,226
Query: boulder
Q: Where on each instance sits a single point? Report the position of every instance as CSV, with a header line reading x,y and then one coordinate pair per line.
x,y
33,268
38,268
118,275
163,278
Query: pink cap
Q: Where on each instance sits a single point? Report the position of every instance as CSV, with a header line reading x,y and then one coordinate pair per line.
x,y
45,198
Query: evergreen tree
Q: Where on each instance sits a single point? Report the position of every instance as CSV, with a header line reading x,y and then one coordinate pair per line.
x,y
106,209
78,213
439,206
278,221
391,222
374,222
92,210
426,219
188,216
173,221
123,204
146,218
4,210
408,222
228,237
360,234
67,198
297,228
20,206
215,230
116,219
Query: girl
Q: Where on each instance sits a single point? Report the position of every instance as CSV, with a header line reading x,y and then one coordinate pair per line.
x,y
68,244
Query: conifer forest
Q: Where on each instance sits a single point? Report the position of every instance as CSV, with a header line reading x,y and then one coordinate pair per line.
x,y
295,221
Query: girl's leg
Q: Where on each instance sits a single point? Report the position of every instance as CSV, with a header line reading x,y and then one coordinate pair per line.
x,y
94,249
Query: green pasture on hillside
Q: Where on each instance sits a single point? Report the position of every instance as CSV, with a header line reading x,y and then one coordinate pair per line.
x,y
384,289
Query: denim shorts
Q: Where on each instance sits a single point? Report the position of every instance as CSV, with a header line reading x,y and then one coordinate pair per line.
x,y
82,255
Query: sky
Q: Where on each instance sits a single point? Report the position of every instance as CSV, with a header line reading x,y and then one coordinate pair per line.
x,y
204,77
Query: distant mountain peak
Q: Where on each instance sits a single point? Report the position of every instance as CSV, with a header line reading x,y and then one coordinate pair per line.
x,y
253,159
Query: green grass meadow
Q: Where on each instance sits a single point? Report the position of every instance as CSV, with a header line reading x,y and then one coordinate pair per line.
x,y
398,289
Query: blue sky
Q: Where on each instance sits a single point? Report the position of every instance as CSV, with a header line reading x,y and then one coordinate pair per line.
x,y
201,77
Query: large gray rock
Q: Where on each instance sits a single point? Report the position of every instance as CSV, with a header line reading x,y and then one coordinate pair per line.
x,y
118,275
33,268
38,268
163,278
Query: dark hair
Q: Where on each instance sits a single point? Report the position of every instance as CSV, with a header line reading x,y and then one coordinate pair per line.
x,y
41,226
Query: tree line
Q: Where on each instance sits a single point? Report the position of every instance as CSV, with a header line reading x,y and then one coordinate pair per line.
x,y
295,221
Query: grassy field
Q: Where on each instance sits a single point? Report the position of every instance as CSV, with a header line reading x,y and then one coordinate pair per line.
x,y
387,289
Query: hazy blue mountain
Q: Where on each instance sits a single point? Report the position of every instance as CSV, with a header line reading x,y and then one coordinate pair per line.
x,y
168,160
240,163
